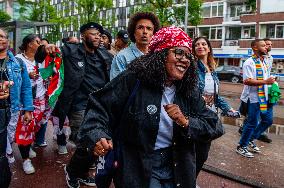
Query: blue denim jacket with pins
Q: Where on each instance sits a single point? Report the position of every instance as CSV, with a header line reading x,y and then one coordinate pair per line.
x,y
220,102
21,92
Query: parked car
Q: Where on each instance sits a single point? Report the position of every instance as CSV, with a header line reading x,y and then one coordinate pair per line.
x,y
230,73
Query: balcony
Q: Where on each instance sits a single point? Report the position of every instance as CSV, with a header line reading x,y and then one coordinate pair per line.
x,y
231,20
229,42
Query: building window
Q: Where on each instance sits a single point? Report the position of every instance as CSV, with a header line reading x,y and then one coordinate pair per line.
x,y
279,31
2,6
248,32
214,9
206,11
211,32
239,9
270,31
204,32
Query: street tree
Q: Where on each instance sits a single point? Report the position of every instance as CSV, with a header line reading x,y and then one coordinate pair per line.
x,y
89,9
4,17
171,13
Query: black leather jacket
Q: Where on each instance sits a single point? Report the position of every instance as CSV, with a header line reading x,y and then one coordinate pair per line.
x,y
134,129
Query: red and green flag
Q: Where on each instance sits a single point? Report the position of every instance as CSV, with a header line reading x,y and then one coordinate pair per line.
x,y
54,71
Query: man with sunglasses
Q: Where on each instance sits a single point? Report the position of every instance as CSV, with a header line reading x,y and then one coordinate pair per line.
x,y
141,27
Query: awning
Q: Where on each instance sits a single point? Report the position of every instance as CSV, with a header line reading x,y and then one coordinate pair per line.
x,y
243,56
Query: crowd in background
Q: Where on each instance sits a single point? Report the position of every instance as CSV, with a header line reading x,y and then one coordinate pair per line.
x,y
129,103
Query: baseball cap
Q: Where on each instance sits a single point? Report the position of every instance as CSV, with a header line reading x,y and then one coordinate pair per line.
x,y
91,25
123,35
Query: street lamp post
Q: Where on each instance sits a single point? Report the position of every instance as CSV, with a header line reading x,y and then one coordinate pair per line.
x,y
186,16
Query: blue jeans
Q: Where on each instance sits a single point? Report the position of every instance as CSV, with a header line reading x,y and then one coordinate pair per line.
x,y
256,122
40,135
162,169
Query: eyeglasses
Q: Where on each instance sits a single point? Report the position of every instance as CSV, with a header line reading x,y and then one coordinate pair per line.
x,y
179,54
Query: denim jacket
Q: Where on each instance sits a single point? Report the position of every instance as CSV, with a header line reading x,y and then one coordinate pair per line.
x,y
21,92
220,102
123,58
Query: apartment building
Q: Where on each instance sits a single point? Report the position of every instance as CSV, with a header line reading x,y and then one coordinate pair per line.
x,y
231,25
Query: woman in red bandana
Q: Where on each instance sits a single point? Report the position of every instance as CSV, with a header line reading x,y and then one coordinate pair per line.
x,y
151,115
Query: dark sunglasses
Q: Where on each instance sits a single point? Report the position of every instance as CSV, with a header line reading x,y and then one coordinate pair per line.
x,y
179,54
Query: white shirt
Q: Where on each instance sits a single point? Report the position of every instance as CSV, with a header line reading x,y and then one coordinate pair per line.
x,y
165,132
249,71
40,89
209,90
209,84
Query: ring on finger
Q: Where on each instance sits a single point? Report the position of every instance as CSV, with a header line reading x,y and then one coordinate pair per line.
x,y
103,150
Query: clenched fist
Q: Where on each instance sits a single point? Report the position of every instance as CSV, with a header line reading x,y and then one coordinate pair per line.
x,y
102,147
176,115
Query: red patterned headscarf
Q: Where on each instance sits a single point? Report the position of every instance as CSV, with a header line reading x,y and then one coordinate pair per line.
x,y
169,37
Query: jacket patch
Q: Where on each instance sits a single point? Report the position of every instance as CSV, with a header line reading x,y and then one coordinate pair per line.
x,y
151,109
81,64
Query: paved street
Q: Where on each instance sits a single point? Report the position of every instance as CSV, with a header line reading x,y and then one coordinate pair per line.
x,y
232,93
265,169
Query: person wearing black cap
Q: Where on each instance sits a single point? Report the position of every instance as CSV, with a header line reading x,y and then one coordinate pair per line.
x,y
86,69
121,41
141,28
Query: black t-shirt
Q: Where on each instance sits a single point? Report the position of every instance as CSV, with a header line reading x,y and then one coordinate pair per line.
x,y
3,77
94,79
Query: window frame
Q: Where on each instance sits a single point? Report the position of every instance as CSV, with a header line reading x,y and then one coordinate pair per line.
x,y
210,5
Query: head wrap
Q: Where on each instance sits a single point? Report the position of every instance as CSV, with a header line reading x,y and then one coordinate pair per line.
x,y
169,37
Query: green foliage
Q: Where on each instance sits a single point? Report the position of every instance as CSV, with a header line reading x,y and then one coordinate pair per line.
x,y
169,13
251,3
194,13
4,17
89,9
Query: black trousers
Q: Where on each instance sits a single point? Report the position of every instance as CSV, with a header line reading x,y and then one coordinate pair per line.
x,y
5,173
24,150
202,150
80,163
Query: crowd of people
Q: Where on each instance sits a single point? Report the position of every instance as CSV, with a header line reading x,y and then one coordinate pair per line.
x,y
144,114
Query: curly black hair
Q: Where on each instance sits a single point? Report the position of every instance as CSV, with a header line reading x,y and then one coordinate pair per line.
x,y
150,69
138,16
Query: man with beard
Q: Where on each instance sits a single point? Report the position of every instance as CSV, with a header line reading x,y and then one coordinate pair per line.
x,y
141,28
263,137
256,76
86,69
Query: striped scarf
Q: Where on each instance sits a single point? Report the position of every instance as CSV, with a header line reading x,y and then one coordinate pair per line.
x,y
261,89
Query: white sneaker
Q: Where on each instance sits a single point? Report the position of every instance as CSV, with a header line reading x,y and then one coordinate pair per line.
x,y
32,153
28,167
11,158
62,150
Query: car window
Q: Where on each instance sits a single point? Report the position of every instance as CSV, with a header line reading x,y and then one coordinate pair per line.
x,y
220,68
